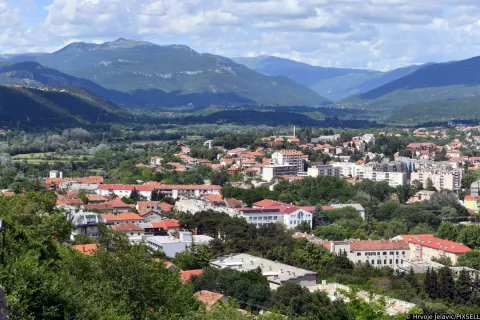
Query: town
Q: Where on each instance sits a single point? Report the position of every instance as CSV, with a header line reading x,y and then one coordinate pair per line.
x,y
402,203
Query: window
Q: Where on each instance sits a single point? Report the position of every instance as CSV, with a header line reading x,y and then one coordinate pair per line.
x,y
379,262
359,254
396,253
384,261
384,253
254,218
373,262
391,253
131,233
250,218
401,261
396,261
403,252
274,217
391,261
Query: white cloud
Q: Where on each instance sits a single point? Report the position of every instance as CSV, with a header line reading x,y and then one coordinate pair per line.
x,y
379,34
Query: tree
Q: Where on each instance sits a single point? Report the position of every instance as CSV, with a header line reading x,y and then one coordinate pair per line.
x,y
448,231
463,288
470,236
470,259
219,178
430,283
422,228
412,280
446,285
134,195
304,226
429,185
318,217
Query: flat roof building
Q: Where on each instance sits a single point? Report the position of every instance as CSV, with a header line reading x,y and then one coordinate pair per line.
x,y
276,273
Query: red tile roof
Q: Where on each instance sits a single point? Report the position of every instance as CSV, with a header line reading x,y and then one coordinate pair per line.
x,y
186,275
166,224
166,207
159,186
125,187
267,203
96,197
87,249
213,197
126,216
209,298
428,240
127,227
365,245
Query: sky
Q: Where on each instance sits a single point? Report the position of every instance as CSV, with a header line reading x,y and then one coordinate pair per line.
x,y
367,34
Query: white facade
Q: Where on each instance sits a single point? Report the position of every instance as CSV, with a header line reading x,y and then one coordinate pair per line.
x,y
288,157
378,253
325,170
55,174
441,179
289,216
393,173
270,172
171,245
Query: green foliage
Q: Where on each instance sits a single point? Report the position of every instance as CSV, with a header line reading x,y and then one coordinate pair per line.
x,y
470,259
196,257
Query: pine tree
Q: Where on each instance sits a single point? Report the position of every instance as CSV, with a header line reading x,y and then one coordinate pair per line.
x,y
430,283
463,288
412,279
446,285
135,195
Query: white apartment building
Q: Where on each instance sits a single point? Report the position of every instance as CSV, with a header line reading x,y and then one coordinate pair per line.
x,y
290,216
270,172
324,170
288,157
378,253
392,172
441,179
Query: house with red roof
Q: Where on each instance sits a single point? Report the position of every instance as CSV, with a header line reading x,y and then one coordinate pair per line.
x,y
377,253
186,275
426,246
290,216
184,190
133,231
266,203
210,299
170,226
125,217
125,190
86,249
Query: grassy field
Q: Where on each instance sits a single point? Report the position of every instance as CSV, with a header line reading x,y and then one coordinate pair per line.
x,y
50,157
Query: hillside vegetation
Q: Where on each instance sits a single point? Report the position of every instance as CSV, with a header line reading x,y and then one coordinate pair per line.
x,y
175,73
54,105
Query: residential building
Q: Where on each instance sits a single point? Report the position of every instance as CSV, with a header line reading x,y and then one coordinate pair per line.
x,y
125,190
266,203
186,275
125,217
441,179
187,191
172,245
210,299
324,170
134,232
420,196
393,172
271,172
86,249
275,272
323,139
288,157
471,203
426,246
290,216
378,253
169,226
54,174
475,188
85,223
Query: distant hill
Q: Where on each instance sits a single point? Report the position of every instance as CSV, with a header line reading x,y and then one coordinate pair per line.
x,y
438,111
174,74
436,82
332,83
54,105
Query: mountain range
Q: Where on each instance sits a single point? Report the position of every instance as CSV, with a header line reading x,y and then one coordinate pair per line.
x,y
332,83
132,73
173,75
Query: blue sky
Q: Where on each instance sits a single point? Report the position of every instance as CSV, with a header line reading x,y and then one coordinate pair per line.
x,y
374,34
